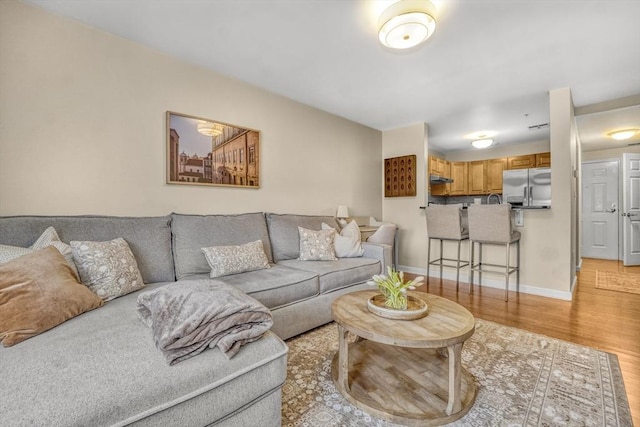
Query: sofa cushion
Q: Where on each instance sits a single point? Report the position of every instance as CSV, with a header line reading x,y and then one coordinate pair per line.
x,y
283,232
191,233
225,260
338,274
109,268
317,245
37,292
148,237
277,286
116,376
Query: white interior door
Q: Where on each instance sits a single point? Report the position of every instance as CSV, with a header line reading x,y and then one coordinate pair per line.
x,y
600,209
631,208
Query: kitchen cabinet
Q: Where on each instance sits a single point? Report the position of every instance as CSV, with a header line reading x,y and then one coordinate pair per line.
x,y
459,172
494,169
477,179
522,162
438,166
543,160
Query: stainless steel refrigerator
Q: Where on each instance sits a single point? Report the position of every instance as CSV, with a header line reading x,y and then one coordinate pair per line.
x,y
527,188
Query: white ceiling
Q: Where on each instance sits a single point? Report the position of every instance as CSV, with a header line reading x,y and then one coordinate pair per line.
x,y
489,65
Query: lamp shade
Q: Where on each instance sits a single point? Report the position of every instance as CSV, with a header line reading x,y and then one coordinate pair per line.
x,y
342,212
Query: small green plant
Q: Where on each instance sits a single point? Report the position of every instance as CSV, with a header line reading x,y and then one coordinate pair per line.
x,y
394,288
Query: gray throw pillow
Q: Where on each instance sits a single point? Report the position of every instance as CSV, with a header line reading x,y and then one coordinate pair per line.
x,y
225,260
109,268
317,245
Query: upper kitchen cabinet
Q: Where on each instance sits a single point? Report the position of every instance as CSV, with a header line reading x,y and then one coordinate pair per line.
x,y
494,169
439,167
459,173
477,177
522,162
543,160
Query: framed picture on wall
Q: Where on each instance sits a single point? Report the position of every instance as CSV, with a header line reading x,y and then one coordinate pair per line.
x,y
208,152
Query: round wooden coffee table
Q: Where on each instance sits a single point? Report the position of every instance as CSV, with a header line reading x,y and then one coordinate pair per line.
x,y
400,371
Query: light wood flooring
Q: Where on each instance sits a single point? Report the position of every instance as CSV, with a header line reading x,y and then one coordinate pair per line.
x,y
602,319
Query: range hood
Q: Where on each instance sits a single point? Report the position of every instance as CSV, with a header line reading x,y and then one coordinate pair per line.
x,y
436,179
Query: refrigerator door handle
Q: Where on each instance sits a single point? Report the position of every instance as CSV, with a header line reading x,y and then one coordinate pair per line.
x,y
531,196
525,202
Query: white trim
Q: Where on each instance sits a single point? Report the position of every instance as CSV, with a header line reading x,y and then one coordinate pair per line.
x,y
492,283
579,266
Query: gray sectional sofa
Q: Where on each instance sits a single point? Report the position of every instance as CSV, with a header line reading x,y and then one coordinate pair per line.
x,y
102,369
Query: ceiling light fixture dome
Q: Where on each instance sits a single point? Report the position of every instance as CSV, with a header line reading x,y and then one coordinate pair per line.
x,y
620,135
407,23
482,143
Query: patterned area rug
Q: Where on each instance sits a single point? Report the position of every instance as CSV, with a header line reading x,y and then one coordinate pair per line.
x,y
523,379
615,281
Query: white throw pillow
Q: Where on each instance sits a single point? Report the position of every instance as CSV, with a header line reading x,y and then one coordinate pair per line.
x,y
48,238
109,269
225,260
317,245
348,243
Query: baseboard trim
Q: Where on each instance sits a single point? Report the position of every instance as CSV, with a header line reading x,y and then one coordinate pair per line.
x,y
493,283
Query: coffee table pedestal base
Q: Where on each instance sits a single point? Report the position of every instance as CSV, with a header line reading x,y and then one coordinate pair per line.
x,y
404,385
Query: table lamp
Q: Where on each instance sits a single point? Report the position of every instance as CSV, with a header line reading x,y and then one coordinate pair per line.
x,y
342,214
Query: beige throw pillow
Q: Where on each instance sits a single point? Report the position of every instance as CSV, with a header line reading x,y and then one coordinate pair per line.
x,y
109,269
37,292
225,260
317,245
348,243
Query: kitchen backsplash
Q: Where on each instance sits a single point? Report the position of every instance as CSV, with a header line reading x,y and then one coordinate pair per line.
x,y
465,200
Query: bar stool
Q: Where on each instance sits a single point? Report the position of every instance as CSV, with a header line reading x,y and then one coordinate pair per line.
x,y
445,223
491,225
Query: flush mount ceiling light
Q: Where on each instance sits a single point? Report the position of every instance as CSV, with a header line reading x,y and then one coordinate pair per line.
x,y
620,135
482,143
407,23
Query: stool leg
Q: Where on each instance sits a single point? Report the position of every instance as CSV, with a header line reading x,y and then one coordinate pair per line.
x,y
428,257
458,267
441,255
518,266
479,263
471,246
506,274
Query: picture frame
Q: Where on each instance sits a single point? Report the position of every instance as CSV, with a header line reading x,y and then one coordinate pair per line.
x,y
209,152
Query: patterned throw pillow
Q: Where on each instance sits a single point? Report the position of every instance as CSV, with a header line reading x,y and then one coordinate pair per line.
x,y
109,269
348,243
317,245
48,238
225,260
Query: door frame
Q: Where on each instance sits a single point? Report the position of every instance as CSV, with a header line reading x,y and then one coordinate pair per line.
x,y
620,236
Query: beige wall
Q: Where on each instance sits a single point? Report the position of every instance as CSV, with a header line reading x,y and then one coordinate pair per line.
x,y
82,130
614,153
405,212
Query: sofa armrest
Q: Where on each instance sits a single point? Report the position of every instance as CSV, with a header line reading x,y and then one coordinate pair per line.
x,y
379,251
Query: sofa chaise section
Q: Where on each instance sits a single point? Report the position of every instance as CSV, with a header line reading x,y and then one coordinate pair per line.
x,y
102,369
